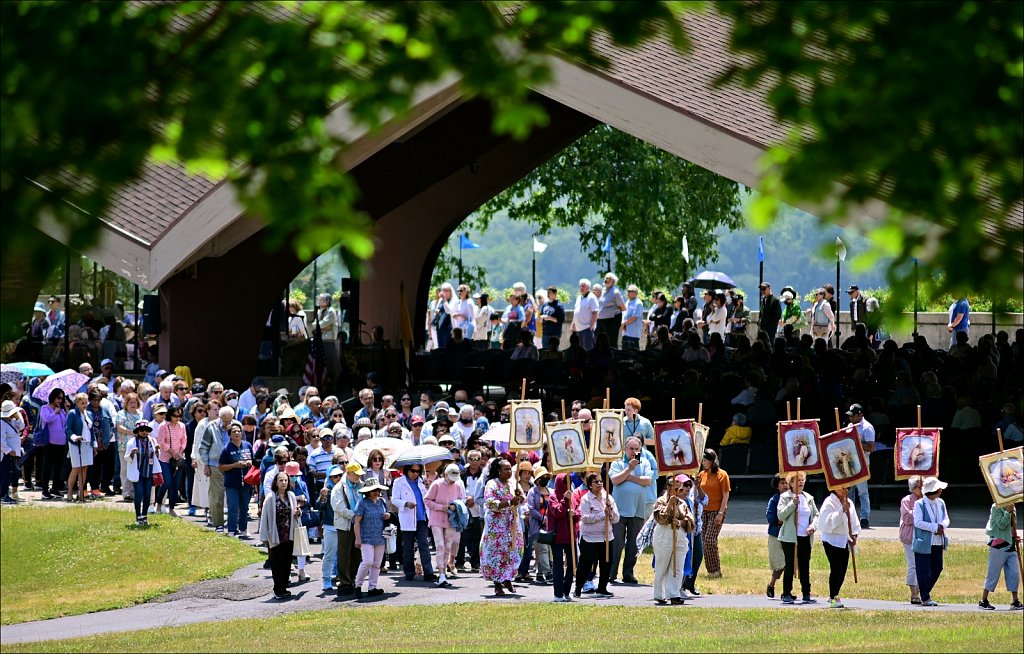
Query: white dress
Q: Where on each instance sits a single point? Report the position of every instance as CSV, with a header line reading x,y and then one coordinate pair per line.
x,y
80,453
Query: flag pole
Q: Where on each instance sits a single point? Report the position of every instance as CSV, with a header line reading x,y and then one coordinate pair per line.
x,y
460,261
533,289
838,290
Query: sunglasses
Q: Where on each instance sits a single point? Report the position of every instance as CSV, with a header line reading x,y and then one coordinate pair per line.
x,y
377,458
200,411
585,422
407,399
416,470
687,485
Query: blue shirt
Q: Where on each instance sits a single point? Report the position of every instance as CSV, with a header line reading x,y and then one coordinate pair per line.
x,y
652,490
320,460
371,528
235,454
961,307
634,309
772,515
421,510
630,497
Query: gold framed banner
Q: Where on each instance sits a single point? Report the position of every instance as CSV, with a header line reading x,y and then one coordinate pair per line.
x,y
798,446
844,462
675,447
526,425
566,448
1004,475
916,452
606,440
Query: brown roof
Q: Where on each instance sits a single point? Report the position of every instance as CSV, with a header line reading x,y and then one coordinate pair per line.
x,y
683,82
686,81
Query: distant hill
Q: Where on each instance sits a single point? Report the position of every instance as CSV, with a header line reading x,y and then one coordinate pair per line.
x,y
792,255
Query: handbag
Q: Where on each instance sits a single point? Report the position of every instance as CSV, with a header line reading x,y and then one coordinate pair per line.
x,y
158,478
41,434
309,517
252,476
545,537
391,539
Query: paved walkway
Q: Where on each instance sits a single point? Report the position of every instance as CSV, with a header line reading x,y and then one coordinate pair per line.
x,y
248,590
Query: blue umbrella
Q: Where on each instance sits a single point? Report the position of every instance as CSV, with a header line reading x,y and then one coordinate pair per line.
x,y
32,369
712,280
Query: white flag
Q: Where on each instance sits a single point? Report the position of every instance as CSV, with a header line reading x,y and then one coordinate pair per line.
x,y
686,250
539,247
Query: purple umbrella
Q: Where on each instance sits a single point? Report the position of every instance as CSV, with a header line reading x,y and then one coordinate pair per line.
x,y
712,280
68,381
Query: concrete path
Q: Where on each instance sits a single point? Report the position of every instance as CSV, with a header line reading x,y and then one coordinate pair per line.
x,y
250,589
246,594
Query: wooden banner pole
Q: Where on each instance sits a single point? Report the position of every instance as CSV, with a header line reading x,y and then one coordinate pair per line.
x,y
789,411
673,409
1013,516
838,425
700,413
563,409
607,398
918,416
849,528
798,408
522,393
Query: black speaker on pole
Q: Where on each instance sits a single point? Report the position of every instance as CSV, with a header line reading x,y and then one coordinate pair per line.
x,y
151,314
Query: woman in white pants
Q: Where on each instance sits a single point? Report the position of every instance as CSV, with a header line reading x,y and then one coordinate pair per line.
x,y
440,497
672,521
907,534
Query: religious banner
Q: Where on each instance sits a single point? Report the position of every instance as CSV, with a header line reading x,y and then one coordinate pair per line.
x,y
916,452
1004,475
798,447
566,448
844,462
675,447
526,425
606,440
700,440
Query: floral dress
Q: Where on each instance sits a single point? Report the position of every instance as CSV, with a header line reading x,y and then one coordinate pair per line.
x,y
501,549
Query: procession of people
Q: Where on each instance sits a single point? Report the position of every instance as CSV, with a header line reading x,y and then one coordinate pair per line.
x,y
288,468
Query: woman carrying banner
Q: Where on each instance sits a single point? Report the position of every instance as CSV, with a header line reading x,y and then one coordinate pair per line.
x,y
672,522
837,519
930,523
799,517
907,534
502,543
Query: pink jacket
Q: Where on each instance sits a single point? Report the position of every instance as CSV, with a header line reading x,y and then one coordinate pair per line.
x,y
907,519
440,495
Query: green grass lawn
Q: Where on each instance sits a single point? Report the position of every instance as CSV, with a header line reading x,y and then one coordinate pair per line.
x,y
71,560
500,626
881,570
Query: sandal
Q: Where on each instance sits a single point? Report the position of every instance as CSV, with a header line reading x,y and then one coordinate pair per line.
x,y
498,591
509,587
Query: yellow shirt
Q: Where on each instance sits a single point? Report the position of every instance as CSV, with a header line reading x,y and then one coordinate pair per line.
x,y
736,435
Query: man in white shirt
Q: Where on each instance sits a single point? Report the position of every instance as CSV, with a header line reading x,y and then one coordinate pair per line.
x,y
465,426
867,441
247,400
584,317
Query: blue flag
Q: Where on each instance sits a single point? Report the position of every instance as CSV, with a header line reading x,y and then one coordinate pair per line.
x,y
760,249
607,247
465,243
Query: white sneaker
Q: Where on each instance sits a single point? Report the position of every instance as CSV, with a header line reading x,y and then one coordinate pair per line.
x,y
685,594
152,509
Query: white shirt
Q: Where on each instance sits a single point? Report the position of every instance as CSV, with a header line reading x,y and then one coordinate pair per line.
x,y
583,312
803,517
834,523
867,434
717,321
464,307
936,513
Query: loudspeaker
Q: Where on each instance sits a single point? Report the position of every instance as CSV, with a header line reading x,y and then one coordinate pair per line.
x,y
151,314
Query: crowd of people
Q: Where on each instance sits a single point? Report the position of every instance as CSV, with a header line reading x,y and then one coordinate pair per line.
x,y
483,511
173,439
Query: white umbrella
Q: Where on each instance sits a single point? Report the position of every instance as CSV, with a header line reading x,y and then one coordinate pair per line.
x,y
389,447
422,455
498,433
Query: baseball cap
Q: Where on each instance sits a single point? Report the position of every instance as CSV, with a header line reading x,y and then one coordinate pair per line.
x,y
853,287
441,406
764,285
106,362
855,409
355,467
417,420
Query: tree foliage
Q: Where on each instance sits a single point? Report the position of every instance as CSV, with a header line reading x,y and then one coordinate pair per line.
x,y
92,91
915,103
609,182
